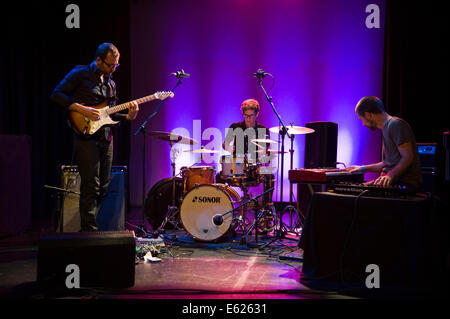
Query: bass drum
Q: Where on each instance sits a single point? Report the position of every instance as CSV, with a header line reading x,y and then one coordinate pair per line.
x,y
201,204
159,198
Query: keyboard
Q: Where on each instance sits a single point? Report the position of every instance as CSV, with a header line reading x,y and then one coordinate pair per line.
x,y
323,175
369,190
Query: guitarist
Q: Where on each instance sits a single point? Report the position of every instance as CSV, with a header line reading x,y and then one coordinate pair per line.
x,y
83,87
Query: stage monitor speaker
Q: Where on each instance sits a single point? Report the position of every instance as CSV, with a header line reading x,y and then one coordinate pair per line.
x,y
111,216
90,259
321,146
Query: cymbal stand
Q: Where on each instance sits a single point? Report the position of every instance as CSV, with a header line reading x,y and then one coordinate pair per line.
x,y
143,130
291,209
172,212
283,132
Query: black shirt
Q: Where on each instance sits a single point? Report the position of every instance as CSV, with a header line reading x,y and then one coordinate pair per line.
x,y
239,134
83,85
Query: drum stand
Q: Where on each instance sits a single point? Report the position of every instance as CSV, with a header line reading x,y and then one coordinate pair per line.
x,y
172,215
258,216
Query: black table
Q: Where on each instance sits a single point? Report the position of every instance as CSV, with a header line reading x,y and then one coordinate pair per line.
x,y
407,238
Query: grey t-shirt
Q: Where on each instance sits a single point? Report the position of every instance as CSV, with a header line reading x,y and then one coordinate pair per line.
x,y
397,132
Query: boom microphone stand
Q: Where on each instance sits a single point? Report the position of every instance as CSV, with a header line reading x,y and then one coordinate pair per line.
x,y
260,74
143,130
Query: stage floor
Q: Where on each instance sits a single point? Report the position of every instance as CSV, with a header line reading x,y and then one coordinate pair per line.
x,y
187,269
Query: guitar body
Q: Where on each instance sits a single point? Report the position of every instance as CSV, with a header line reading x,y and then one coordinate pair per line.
x,y
84,126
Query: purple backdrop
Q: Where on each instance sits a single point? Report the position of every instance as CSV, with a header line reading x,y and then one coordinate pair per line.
x,y
321,54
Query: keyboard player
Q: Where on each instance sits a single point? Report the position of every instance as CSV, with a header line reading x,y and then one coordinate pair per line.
x,y
400,164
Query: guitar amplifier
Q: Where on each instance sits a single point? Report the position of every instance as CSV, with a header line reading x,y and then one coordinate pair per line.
x,y
111,216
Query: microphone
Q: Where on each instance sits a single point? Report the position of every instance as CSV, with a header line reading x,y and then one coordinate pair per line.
x,y
218,220
261,74
180,74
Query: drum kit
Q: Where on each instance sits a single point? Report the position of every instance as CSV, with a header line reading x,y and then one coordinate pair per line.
x,y
195,200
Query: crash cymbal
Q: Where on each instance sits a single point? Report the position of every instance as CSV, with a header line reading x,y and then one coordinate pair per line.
x,y
263,140
172,137
292,129
204,151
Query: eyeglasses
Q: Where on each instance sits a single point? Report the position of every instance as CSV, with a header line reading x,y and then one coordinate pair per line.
x,y
248,116
110,65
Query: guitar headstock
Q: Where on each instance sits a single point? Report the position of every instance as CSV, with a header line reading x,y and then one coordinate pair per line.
x,y
163,95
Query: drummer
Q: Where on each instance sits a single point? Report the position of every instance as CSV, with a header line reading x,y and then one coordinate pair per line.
x,y
237,138
239,134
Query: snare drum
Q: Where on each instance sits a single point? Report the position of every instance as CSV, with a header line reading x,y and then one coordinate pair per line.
x,y
201,204
197,175
234,166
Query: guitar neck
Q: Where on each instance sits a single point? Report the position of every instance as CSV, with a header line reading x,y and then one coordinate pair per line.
x,y
124,106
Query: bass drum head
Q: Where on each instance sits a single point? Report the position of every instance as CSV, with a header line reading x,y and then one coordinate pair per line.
x,y
198,208
159,198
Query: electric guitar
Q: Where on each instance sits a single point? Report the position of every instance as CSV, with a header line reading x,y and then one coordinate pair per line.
x,y
82,125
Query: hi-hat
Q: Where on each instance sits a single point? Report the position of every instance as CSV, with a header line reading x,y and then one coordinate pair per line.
x,y
263,140
292,129
172,137
204,151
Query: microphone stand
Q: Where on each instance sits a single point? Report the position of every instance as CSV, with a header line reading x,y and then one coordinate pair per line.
x,y
143,130
283,132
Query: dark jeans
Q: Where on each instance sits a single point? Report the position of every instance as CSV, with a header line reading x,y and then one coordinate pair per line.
x,y
94,159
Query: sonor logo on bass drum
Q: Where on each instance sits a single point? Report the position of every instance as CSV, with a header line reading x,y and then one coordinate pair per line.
x,y
206,199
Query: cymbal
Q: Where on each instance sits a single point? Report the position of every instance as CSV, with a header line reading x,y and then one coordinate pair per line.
x,y
292,129
263,140
204,151
172,137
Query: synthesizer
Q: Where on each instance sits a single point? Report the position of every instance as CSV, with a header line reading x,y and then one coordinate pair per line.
x,y
369,190
324,175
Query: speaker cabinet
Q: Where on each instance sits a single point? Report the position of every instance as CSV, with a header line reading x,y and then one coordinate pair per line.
x,y
101,259
321,146
111,216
